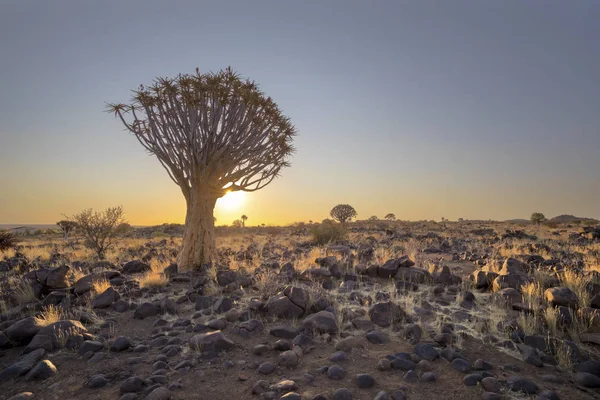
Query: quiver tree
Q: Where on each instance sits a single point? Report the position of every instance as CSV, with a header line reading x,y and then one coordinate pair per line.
x,y
66,227
213,133
390,217
343,213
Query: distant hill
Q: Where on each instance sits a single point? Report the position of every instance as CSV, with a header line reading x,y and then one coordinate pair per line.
x,y
518,221
568,219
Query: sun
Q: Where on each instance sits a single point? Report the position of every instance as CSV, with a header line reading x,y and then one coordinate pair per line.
x,y
231,200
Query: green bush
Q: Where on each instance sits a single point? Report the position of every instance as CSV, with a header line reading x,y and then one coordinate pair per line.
x,y
327,232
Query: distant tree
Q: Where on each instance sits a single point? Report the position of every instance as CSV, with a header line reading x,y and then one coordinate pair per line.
x,y
7,241
101,229
343,213
237,223
213,133
390,217
244,218
537,218
373,218
327,232
67,227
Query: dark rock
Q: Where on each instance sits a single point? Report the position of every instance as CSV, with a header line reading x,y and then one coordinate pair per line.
x,y
365,381
587,380
132,385
121,343
43,370
135,267
146,310
520,384
336,372
426,351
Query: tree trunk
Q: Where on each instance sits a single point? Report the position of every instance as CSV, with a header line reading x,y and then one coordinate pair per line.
x,y
199,246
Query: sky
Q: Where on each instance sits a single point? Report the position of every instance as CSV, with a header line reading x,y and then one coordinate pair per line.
x,y
425,109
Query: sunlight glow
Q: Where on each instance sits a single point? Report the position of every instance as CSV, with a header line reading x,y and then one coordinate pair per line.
x,y
232,200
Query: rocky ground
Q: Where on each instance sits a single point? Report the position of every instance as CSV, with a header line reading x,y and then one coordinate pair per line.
x,y
397,312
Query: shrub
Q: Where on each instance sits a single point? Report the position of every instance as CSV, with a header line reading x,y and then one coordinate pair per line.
x,y
327,232
101,229
7,241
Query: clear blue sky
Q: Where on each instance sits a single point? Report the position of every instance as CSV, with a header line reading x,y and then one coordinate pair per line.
x,y
427,109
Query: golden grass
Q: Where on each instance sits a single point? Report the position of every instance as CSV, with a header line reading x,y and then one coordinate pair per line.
x,y
156,277
8,253
578,283
100,285
51,314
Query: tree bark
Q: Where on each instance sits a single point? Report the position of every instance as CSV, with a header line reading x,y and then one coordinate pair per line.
x,y
199,245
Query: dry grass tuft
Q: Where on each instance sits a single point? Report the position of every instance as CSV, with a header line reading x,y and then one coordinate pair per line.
x,y
24,294
100,285
51,314
156,277
578,283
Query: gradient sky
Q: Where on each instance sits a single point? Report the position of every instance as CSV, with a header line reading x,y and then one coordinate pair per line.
x,y
427,109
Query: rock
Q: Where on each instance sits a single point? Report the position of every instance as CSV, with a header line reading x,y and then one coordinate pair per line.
x,y
481,365
44,370
291,396
338,356
491,396
410,376
548,395
211,341
57,278
472,379
160,393
382,395
283,331
298,296
135,267
461,365
336,373
322,322
347,344
24,330
266,368
483,279
426,351
491,384
105,299
132,385
146,310
90,345
280,306
403,364
342,394
515,281
365,381
508,295
413,333
384,314
97,381
561,296
512,266
121,343
384,364
413,275
590,366
68,331
377,337
225,277
587,380
22,366
428,377
520,384
22,396
288,359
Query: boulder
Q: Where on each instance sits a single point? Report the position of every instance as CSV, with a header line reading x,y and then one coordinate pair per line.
x,y
561,296
105,299
24,330
43,370
322,322
384,314
136,267
211,341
